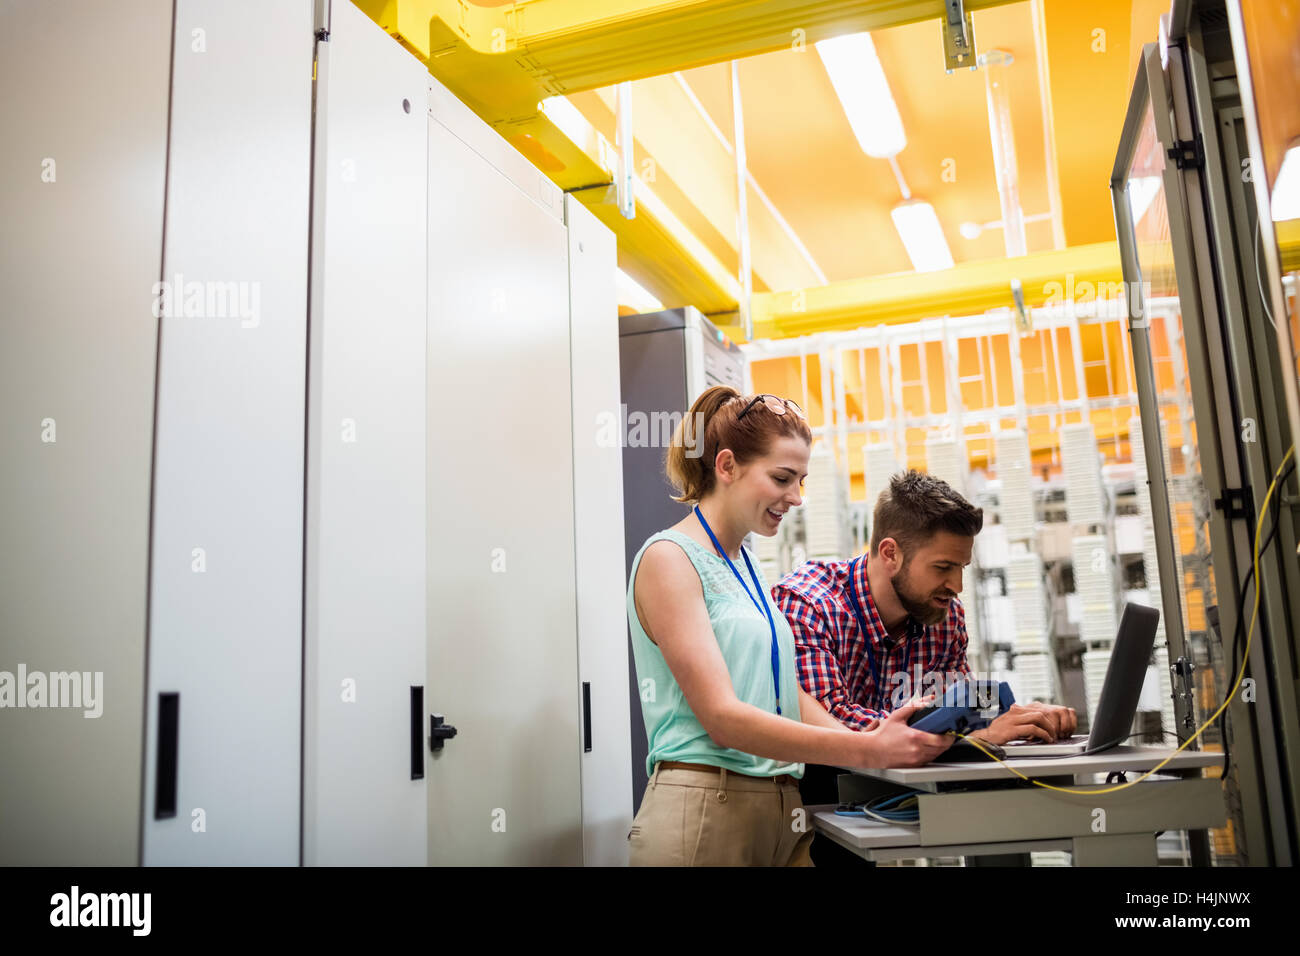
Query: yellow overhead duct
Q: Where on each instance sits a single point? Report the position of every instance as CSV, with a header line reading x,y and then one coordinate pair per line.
x,y
969,288
659,253
655,248
504,60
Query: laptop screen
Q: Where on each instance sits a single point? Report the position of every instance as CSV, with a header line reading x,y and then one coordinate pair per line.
x,y
1125,675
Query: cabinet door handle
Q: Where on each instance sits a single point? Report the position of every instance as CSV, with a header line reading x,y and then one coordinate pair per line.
x,y
586,716
417,733
169,721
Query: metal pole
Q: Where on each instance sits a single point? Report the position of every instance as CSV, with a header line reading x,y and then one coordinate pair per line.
x,y
952,388
1060,392
899,409
1152,439
862,377
803,372
1017,381
922,347
1004,150
828,402
886,401
742,206
841,411
624,188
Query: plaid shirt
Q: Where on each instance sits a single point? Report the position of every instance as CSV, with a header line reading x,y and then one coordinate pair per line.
x,y
831,650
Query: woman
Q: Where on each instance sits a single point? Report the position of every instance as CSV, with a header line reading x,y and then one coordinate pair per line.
x,y
728,725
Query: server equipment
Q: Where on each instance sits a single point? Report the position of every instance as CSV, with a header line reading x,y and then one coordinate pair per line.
x,y
666,360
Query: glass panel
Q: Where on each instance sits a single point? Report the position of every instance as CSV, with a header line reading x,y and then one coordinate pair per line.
x,y
1188,500
1272,40
1285,203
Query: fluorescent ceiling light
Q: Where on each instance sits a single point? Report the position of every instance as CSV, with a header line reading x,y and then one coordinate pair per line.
x,y
631,293
1285,202
860,83
922,235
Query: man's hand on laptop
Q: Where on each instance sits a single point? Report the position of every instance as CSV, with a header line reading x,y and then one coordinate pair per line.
x,y
1032,721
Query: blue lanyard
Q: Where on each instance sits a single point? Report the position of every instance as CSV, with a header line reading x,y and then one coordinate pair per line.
x,y
866,634
758,589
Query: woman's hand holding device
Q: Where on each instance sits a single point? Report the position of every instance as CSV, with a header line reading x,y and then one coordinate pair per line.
x,y
891,743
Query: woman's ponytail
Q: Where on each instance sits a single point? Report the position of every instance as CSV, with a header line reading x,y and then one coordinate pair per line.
x,y
689,463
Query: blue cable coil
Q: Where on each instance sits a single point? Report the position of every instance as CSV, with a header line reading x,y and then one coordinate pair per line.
x,y
899,808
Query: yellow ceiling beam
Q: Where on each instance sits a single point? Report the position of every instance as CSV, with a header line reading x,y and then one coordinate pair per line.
x,y
676,145
502,60
968,288
655,247
662,255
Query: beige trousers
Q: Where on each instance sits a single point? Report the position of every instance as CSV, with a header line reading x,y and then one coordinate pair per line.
x,y
698,818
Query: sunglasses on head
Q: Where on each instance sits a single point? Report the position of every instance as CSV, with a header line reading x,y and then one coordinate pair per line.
x,y
774,404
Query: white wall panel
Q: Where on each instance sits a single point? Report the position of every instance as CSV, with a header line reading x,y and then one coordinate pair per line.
x,y
226,575
366,466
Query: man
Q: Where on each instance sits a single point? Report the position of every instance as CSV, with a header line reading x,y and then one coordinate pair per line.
x,y
873,632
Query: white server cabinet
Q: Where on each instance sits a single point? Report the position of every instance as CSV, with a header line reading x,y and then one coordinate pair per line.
x,y
1085,499
825,509
598,530
1016,494
946,459
81,198
364,792
458,345
222,753
879,464
503,658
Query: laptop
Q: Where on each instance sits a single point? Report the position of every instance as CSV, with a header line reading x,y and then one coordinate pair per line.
x,y
1125,675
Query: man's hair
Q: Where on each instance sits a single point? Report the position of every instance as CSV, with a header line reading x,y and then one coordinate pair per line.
x,y
915,507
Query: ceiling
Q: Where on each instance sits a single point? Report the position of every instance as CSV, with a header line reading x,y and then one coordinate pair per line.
x,y
819,206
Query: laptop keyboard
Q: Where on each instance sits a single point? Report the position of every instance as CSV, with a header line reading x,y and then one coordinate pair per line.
x,y
1076,739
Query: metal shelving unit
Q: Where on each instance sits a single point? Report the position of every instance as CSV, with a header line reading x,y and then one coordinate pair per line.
x,y
947,435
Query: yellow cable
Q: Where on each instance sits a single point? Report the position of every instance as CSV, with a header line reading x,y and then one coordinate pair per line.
x,y
1259,527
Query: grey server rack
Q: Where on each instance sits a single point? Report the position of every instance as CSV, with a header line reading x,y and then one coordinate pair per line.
x,y
666,360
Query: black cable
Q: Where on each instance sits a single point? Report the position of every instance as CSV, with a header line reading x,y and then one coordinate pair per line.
x,y
1241,616
1233,646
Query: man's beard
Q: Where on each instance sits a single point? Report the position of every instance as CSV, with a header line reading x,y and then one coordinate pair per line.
x,y
920,606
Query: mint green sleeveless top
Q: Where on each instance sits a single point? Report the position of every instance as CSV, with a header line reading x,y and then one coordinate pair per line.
x,y
745,639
